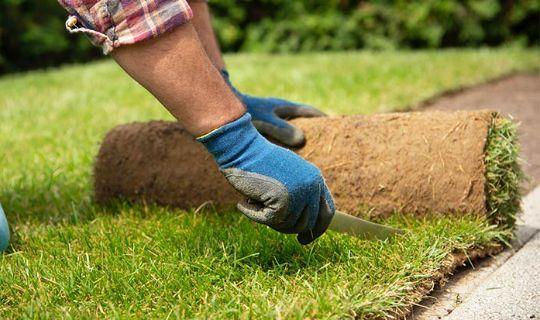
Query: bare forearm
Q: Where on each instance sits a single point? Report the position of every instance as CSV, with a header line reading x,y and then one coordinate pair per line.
x,y
176,70
202,21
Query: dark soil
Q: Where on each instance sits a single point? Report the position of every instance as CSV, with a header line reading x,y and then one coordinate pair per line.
x,y
516,96
159,162
411,162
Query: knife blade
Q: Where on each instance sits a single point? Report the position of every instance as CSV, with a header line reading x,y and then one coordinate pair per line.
x,y
354,226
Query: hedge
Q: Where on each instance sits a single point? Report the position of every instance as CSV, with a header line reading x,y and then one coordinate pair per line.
x,y
32,34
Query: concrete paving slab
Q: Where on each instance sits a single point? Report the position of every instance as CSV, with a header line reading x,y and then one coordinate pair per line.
x,y
511,292
464,283
531,210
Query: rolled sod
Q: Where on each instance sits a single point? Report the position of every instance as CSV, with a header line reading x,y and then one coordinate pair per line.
x,y
416,163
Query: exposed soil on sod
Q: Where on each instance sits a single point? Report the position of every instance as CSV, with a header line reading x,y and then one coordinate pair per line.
x,y
423,162
516,96
428,162
160,162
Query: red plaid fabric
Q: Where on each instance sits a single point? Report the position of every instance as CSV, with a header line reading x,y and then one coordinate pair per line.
x,y
113,23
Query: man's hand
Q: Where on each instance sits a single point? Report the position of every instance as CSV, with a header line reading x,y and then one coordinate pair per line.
x,y
269,114
283,190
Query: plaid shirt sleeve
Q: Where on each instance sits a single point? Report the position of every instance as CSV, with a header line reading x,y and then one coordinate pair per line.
x,y
114,23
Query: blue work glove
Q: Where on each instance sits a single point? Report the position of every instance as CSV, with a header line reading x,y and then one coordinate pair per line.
x,y
4,231
282,190
269,115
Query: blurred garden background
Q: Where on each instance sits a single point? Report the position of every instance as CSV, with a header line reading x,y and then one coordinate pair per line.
x,y
32,32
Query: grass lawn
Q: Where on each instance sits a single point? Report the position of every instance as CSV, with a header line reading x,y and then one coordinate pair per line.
x,y
71,258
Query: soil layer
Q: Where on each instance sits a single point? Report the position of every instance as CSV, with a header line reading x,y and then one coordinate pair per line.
x,y
417,163
159,162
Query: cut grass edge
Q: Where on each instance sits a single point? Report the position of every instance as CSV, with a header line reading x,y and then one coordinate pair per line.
x,y
452,264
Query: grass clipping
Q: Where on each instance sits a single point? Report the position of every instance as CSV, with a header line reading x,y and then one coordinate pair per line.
x,y
503,172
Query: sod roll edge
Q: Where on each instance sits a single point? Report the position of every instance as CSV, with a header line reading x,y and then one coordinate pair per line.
x,y
504,174
416,163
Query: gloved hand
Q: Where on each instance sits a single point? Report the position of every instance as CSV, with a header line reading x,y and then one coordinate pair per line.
x,y
4,231
283,190
268,115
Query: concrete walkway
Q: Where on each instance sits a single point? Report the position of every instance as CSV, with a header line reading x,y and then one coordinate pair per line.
x,y
504,287
511,292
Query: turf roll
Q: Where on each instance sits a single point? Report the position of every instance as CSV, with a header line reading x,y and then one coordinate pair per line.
x,y
416,163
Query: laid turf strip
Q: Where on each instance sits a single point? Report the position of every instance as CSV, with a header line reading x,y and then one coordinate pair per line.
x,y
414,163
151,262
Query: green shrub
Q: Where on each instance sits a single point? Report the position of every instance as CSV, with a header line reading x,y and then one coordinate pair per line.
x,y
32,35
383,24
32,31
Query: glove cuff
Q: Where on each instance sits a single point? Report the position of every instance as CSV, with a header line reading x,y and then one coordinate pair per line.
x,y
228,143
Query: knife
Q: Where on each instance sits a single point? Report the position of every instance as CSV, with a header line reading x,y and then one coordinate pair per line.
x,y
345,223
